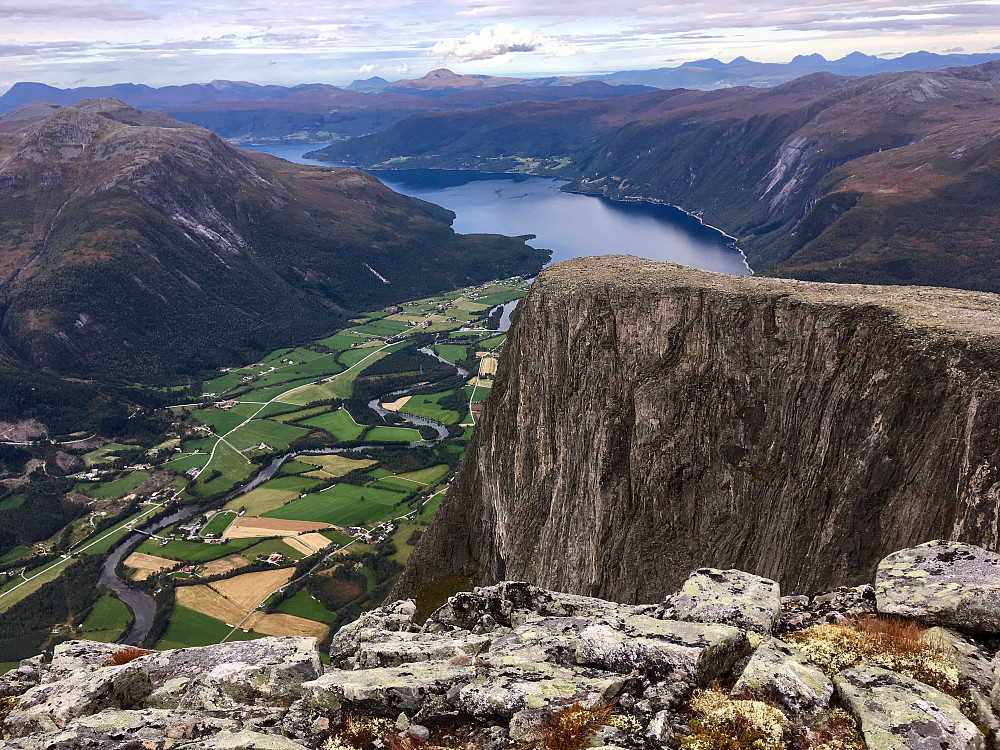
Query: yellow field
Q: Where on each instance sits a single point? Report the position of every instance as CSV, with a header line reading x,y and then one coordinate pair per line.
x,y
396,405
314,541
226,564
488,366
209,602
247,527
295,544
147,565
333,466
234,598
250,589
281,624
261,500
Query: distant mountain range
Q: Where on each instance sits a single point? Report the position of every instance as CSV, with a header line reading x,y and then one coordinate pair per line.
x,y
319,112
891,178
137,248
714,74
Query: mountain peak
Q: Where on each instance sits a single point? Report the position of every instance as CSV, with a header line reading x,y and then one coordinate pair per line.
x,y
814,59
441,74
709,62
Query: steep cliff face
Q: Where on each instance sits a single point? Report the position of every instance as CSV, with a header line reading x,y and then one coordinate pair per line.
x,y
648,419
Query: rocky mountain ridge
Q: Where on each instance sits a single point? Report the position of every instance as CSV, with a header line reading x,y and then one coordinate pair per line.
x,y
140,248
890,178
647,419
725,656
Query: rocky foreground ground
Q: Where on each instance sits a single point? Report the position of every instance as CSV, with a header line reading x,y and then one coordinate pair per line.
x,y
725,662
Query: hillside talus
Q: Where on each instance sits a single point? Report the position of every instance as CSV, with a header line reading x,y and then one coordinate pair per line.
x,y
648,419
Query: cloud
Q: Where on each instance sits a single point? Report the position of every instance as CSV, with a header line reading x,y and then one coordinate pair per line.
x,y
499,42
367,69
105,11
403,69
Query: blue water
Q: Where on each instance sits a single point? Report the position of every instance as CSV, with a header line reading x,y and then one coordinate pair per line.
x,y
569,225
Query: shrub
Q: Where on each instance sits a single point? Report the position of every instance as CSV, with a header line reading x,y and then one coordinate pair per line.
x,y
125,655
356,732
839,732
570,728
723,723
892,643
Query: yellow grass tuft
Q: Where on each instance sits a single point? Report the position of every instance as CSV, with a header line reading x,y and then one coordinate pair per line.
x,y
892,643
570,728
723,723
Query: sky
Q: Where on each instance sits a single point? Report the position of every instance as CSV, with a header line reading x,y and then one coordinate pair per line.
x,y
158,42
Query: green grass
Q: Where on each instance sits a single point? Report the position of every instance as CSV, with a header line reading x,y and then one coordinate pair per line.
x,y
14,501
219,523
339,423
415,479
269,547
298,484
291,468
233,465
452,352
493,343
274,434
393,435
190,628
341,505
49,573
382,328
293,413
108,537
342,341
342,385
501,297
119,487
223,383
181,465
303,605
194,552
107,621
223,420
102,454
427,406
427,512
317,367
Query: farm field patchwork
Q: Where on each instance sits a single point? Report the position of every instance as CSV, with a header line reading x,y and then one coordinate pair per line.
x,y
393,435
146,565
427,406
284,624
250,527
332,465
272,434
339,423
107,621
118,487
193,552
304,605
190,628
341,505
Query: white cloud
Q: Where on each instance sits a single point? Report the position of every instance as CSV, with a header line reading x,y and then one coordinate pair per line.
x,y
499,41
367,69
403,69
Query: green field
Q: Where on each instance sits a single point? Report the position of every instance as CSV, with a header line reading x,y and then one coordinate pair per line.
x,y
108,537
430,506
452,352
50,573
14,501
269,547
296,467
234,467
332,465
342,385
194,552
119,487
316,367
293,413
219,523
108,452
493,343
190,628
413,480
303,605
382,328
427,406
393,435
223,383
339,423
107,621
182,464
342,341
272,494
341,505
223,420
274,434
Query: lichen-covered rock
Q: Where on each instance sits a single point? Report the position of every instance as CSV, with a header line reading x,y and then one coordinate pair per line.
x,y
942,583
895,711
53,704
249,741
372,627
662,649
975,678
420,686
74,657
28,674
726,597
780,673
511,603
500,693
402,648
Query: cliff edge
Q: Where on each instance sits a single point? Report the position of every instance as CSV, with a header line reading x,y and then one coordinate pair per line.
x,y
648,419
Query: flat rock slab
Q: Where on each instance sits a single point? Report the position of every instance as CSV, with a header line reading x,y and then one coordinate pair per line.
x,y
389,690
498,694
404,648
896,712
780,673
942,583
662,649
726,597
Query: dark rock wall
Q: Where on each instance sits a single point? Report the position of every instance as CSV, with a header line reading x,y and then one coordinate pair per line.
x,y
648,419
